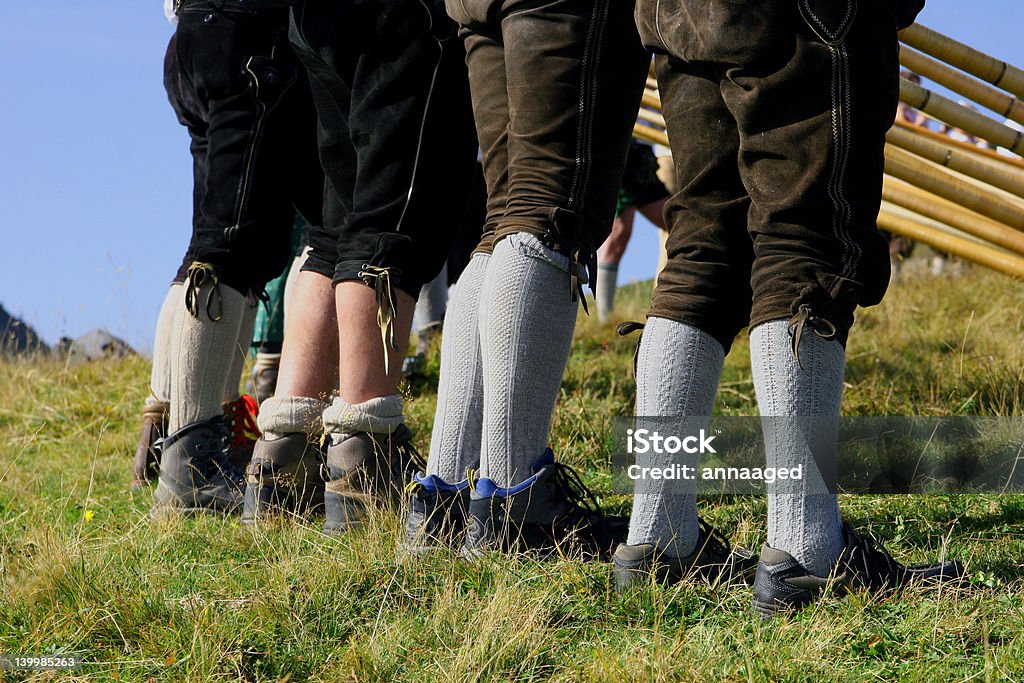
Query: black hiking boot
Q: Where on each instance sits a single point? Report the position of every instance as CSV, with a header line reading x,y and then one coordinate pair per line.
x,y
195,473
551,511
783,584
436,517
713,560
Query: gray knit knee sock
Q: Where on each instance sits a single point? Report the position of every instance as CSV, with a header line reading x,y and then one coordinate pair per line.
x,y
164,345
455,442
677,375
202,361
240,351
607,278
527,317
800,417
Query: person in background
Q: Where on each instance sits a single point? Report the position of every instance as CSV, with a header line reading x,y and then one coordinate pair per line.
x,y
268,333
902,248
643,191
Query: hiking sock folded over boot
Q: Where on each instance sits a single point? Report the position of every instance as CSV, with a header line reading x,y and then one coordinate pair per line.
x,y
286,473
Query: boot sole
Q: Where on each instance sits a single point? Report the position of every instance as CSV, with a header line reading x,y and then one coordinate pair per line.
x,y
343,513
767,611
166,501
263,502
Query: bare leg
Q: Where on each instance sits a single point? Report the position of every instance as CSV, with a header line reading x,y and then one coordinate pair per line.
x,y
310,352
361,350
608,257
615,246
286,460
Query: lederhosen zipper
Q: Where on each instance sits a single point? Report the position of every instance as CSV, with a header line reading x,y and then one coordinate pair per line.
x,y
584,138
842,212
242,195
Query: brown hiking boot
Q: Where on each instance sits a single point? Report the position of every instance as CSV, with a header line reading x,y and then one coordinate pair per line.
x,y
285,476
367,471
146,464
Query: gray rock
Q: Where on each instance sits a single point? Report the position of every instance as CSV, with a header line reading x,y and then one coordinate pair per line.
x,y
95,345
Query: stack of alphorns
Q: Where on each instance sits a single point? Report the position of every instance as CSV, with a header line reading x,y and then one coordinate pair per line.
x,y
957,197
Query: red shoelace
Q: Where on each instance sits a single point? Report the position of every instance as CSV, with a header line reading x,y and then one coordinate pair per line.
x,y
242,421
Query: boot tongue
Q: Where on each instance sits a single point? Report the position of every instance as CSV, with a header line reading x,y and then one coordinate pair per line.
x,y
547,458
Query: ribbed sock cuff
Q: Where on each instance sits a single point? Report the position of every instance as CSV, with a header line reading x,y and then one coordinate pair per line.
x,y
381,415
291,415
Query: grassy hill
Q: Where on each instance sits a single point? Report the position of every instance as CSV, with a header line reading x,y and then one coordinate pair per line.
x,y
83,570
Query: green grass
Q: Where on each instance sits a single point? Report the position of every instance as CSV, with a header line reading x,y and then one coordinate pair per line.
x,y
83,570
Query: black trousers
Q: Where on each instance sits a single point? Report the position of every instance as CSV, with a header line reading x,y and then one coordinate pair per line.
x,y
777,112
233,80
556,86
396,137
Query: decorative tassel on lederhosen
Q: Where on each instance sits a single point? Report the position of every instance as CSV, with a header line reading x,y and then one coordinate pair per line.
x,y
200,274
380,279
804,318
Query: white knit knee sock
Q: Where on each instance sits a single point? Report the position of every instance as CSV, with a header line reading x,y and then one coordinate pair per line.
x,y
527,317
205,350
455,442
607,279
280,415
678,369
800,417
382,415
164,345
241,350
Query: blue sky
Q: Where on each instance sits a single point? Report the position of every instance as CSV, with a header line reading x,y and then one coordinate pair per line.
x,y
95,175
